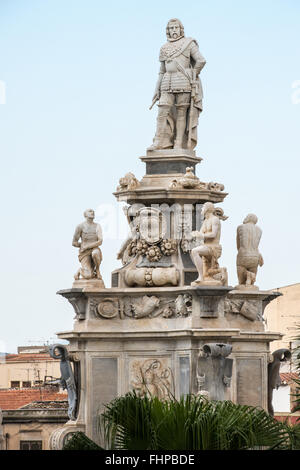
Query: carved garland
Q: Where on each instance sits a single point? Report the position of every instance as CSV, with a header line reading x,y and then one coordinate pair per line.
x,y
153,252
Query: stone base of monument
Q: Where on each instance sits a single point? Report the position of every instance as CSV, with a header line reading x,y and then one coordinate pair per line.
x,y
211,282
154,340
88,283
246,288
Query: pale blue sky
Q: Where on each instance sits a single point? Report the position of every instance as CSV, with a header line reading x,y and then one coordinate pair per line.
x,y
79,78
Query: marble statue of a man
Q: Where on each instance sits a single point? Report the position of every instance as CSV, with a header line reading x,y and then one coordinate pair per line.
x,y
90,255
248,258
178,90
205,255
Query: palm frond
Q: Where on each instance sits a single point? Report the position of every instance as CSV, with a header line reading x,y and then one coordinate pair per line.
x,y
191,423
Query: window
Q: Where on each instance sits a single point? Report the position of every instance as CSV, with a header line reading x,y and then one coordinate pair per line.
x,y
30,445
15,384
38,382
26,384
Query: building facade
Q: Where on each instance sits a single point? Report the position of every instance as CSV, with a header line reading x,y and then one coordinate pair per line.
x,y
29,416
283,314
30,367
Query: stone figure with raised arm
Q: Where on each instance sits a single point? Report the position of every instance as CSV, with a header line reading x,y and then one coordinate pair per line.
x,y
248,258
67,380
208,249
178,90
88,238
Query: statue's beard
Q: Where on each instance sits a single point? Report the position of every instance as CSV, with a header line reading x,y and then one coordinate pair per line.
x,y
175,37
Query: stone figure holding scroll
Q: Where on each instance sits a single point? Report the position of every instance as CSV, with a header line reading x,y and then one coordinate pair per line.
x,y
248,258
88,238
178,90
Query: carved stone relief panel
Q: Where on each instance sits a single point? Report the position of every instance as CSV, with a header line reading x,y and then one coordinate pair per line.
x,y
151,376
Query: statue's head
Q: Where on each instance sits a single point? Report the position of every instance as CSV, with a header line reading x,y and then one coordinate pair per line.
x,y
208,208
250,219
89,214
174,29
58,351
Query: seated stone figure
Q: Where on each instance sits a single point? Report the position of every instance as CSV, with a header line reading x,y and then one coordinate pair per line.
x,y
208,250
90,255
248,258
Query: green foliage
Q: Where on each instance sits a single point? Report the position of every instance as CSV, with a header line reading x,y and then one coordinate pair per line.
x,y
296,401
192,423
79,441
292,441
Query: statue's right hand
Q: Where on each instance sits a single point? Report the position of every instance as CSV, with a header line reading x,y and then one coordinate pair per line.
x,y
156,96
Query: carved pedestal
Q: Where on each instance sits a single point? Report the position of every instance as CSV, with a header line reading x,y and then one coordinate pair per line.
x,y
150,341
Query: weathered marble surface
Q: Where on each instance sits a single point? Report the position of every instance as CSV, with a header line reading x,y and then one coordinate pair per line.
x,y
178,90
207,248
88,238
248,258
126,338
214,370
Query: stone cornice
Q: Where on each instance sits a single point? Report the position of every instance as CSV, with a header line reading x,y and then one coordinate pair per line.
x,y
40,415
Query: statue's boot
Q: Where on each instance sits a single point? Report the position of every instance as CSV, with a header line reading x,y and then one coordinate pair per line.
x,y
162,138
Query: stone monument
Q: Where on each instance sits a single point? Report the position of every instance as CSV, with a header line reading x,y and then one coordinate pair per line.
x,y
170,320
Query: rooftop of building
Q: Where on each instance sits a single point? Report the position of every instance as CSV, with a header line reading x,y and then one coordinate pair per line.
x,y
288,377
28,354
29,357
14,399
46,405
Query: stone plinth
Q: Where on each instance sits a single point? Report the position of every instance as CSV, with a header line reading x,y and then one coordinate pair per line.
x,y
124,337
171,161
163,167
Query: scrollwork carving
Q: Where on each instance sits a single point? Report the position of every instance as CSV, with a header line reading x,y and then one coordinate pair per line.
x,y
152,306
107,307
147,306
